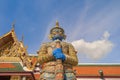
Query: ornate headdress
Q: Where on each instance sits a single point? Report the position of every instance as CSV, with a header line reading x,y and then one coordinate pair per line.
x,y
57,27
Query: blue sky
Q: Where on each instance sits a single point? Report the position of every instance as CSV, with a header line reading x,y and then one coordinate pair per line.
x,y
86,21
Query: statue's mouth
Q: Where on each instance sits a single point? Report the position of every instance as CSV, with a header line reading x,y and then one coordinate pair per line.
x,y
57,36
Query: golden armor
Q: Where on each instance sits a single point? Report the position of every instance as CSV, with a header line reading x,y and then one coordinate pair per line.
x,y
48,61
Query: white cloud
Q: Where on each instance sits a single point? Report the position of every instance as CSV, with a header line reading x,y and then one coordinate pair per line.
x,y
96,49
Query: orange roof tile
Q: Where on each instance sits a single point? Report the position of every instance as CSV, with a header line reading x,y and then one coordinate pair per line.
x,y
94,70
6,65
13,66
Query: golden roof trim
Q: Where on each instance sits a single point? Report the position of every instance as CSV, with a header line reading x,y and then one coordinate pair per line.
x,y
10,59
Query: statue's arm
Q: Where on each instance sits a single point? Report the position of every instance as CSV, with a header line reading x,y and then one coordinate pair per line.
x,y
72,57
43,55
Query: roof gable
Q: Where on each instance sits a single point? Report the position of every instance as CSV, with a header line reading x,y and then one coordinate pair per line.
x,y
8,37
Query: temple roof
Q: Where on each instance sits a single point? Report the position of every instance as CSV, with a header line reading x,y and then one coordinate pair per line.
x,y
10,36
84,70
13,50
14,68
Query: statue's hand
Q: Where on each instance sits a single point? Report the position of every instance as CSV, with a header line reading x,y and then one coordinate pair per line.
x,y
57,53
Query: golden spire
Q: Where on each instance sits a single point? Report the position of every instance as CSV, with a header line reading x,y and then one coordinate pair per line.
x,y
57,24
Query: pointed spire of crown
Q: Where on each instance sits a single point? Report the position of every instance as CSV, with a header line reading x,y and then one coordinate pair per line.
x,y
57,24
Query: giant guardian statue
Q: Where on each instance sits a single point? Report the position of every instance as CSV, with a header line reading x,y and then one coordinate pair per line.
x,y
57,57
